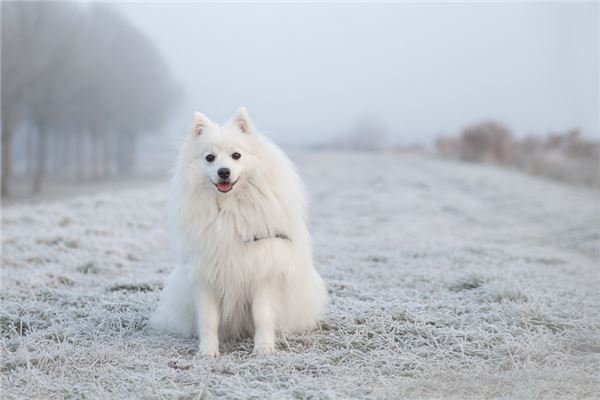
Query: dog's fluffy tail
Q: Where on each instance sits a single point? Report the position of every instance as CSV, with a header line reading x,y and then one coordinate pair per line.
x,y
176,311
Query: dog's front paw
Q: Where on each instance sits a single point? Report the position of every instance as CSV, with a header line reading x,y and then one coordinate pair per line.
x,y
208,351
261,349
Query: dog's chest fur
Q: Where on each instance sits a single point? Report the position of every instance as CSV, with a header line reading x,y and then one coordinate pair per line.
x,y
232,257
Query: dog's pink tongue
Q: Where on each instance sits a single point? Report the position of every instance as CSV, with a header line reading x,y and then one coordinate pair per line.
x,y
224,186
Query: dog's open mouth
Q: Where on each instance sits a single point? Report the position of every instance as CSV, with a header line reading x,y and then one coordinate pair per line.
x,y
225,186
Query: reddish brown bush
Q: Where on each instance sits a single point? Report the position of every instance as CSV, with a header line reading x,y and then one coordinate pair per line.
x,y
566,156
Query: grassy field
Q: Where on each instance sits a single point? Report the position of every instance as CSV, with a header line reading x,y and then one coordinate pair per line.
x,y
446,280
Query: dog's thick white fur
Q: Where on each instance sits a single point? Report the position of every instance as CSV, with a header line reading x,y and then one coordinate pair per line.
x,y
244,251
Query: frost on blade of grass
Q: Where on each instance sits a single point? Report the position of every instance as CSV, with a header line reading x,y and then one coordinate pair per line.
x,y
441,287
468,283
11,326
135,287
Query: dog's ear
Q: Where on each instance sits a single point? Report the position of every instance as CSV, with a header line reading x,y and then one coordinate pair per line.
x,y
243,121
201,122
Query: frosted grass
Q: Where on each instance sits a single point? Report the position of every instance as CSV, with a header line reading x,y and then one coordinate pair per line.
x,y
446,281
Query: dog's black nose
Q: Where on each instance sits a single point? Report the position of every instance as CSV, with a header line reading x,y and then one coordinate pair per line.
x,y
223,173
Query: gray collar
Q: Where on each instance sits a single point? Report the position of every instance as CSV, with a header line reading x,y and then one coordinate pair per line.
x,y
256,238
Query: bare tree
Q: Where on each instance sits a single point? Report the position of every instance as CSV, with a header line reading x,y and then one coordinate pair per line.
x,y
15,41
79,74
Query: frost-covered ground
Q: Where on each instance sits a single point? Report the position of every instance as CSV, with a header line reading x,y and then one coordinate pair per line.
x,y
446,280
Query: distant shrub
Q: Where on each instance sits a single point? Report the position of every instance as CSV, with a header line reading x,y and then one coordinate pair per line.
x,y
566,157
562,156
487,142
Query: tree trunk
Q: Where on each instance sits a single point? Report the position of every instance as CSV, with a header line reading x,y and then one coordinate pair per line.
x,y
95,156
79,165
126,153
6,156
65,162
30,150
120,153
106,156
40,160
60,152
51,155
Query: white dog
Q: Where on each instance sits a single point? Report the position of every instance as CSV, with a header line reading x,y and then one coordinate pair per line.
x,y
245,261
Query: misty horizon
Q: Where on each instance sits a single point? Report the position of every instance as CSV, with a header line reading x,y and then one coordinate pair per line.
x,y
95,91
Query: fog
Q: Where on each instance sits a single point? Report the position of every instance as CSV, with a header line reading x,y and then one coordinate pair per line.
x,y
308,72
92,92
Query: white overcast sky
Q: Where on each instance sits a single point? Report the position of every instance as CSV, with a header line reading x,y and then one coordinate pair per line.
x,y
307,72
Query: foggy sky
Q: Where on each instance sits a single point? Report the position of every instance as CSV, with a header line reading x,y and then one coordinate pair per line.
x,y
307,72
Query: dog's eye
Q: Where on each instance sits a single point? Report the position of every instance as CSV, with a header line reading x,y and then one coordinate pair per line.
x,y
210,158
236,156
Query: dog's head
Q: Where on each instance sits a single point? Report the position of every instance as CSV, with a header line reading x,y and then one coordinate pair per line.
x,y
222,154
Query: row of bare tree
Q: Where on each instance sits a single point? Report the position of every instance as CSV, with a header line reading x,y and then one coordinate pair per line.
x,y
80,83
566,156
